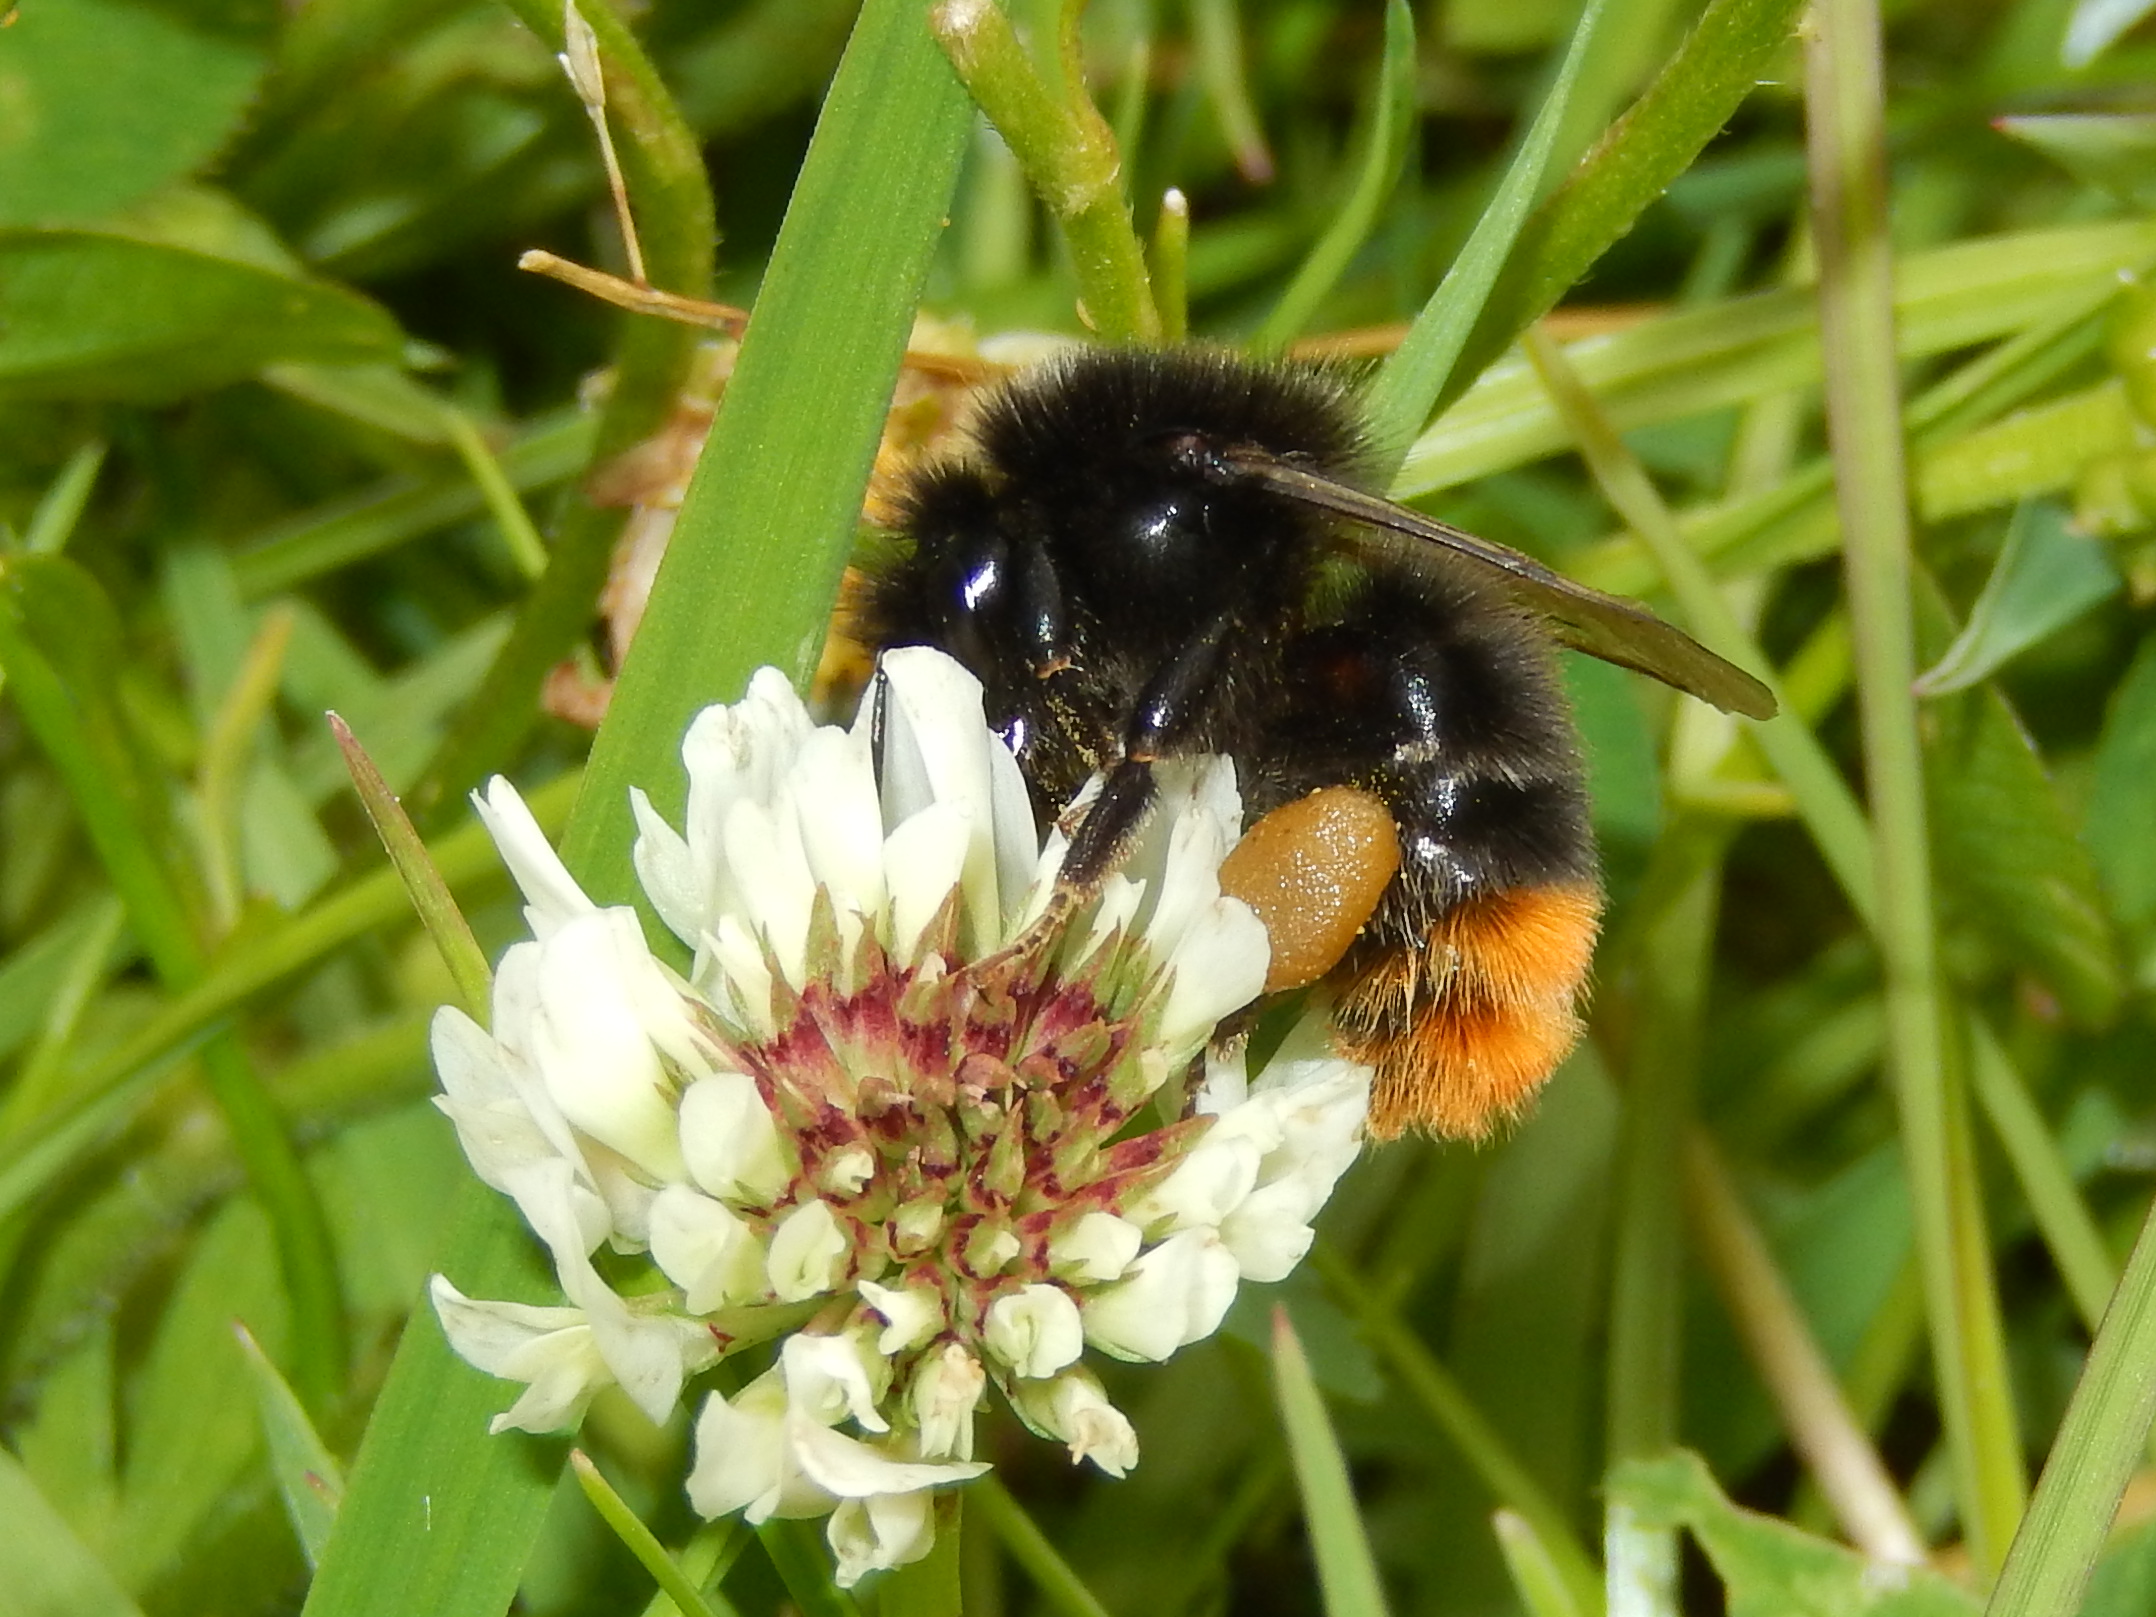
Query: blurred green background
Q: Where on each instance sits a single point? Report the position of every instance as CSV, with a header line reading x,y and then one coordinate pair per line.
x,y
268,373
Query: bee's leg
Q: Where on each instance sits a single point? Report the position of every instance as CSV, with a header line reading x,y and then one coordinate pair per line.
x,y
1104,835
1160,727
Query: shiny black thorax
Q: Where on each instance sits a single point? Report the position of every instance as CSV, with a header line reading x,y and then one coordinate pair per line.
x,y
1124,599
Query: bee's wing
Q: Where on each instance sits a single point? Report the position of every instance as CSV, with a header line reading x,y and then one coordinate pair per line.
x,y
1605,626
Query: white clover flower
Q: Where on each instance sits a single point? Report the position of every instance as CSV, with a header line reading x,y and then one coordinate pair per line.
x,y
869,1126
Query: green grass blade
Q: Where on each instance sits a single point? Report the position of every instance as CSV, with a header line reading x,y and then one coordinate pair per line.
x,y
748,579
308,1475
2099,1442
1347,1573
438,1515
61,505
543,452
763,536
59,645
1385,151
1410,383
1536,1577
48,1571
2063,1219
1720,62
429,893
1846,143
110,1088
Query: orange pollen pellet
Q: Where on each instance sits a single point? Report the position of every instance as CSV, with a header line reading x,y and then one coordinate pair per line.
x,y
1313,870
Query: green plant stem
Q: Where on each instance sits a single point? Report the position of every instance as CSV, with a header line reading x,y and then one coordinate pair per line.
x,y
1845,143
2099,1441
640,1541
661,158
1821,1426
526,550
1432,1386
1060,1586
1069,154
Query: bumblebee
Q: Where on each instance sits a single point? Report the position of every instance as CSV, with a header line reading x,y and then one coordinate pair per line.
x,y
1147,554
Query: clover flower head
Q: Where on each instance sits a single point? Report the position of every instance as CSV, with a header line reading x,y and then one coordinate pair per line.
x,y
884,1119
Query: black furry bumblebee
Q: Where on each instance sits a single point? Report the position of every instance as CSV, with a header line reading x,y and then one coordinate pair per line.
x,y
1149,554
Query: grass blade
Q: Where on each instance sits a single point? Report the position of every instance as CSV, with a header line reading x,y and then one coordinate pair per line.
x,y
1391,119
1846,145
308,1475
1720,62
1410,383
770,517
1347,1573
2099,1442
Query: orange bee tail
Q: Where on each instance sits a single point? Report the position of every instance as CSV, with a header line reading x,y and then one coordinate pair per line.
x,y
1464,1030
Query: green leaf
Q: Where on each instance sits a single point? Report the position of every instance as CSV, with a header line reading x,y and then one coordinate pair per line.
x,y
2048,574
43,1566
107,100
1769,1568
92,315
307,1473
1347,1574
2004,846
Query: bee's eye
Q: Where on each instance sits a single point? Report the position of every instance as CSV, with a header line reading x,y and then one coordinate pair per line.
x,y
1197,454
